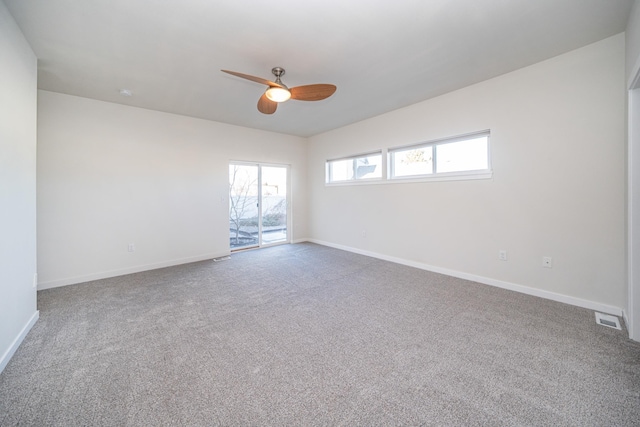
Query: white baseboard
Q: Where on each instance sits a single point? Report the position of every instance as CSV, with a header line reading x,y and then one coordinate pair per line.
x,y
18,340
128,270
626,319
591,305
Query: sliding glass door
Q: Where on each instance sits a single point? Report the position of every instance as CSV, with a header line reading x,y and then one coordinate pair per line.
x,y
258,205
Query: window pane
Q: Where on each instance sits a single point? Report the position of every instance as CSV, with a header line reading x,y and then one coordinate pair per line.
x,y
341,170
468,155
274,204
369,167
243,205
414,161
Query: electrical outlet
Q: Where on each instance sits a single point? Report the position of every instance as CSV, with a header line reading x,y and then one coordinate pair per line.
x,y
363,233
547,262
132,247
502,255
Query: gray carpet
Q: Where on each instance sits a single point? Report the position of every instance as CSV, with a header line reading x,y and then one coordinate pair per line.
x,y
308,335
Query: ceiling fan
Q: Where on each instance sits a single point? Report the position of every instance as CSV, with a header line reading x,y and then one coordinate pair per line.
x,y
278,92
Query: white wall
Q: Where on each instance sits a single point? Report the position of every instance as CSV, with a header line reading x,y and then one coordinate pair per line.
x,y
18,82
110,174
558,187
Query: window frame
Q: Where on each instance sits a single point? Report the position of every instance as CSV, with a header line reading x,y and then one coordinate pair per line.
x,y
435,175
386,155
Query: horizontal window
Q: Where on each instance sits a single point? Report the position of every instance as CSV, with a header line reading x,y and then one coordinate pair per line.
x,y
460,157
447,156
362,167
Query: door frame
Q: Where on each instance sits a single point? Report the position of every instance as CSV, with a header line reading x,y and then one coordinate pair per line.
x,y
289,202
632,314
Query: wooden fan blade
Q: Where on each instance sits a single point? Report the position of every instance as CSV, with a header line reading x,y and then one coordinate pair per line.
x,y
266,106
312,92
252,78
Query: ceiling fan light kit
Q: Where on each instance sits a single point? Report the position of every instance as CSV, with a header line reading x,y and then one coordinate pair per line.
x,y
278,92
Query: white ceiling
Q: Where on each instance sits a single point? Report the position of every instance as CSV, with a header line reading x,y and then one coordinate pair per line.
x,y
382,54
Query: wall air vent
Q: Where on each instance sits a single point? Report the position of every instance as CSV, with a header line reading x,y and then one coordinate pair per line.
x,y
608,321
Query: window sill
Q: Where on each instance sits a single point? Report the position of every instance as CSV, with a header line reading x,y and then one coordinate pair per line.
x,y
414,179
